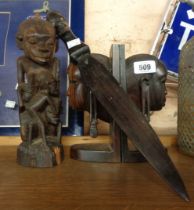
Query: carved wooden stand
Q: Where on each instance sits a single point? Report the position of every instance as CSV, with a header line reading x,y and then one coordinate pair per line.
x,y
118,150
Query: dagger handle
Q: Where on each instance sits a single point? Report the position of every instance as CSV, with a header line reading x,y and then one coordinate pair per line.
x,y
76,48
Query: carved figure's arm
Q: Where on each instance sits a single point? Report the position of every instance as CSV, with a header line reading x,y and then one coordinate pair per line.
x,y
39,104
21,80
57,76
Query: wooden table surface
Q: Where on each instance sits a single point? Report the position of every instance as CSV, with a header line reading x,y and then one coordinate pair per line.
x,y
76,185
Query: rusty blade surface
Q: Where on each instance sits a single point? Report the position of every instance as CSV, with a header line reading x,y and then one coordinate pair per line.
x,y
122,109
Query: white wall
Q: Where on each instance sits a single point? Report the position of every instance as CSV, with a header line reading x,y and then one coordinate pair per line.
x,y
134,23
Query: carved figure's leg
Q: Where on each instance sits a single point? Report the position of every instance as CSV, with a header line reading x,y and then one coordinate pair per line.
x,y
42,131
29,139
39,122
59,132
23,131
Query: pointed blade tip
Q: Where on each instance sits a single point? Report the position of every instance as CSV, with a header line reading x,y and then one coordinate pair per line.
x,y
184,195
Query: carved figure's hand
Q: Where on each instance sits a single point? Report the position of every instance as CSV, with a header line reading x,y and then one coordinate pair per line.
x,y
52,117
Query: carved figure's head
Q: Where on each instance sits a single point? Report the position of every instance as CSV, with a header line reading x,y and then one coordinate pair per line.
x,y
37,38
78,92
155,81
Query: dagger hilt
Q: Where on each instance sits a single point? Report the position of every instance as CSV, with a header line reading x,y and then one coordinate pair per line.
x,y
76,48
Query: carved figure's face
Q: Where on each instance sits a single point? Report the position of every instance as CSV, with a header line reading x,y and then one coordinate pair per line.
x,y
76,90
39,44
155,82
37,39
158,89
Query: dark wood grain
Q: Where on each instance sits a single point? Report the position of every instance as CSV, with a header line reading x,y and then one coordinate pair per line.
x,y
90,186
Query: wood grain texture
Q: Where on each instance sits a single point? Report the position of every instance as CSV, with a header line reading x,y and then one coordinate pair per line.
x,y
167,141
77,185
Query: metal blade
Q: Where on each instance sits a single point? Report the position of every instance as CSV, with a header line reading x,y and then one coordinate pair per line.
x,y
122,109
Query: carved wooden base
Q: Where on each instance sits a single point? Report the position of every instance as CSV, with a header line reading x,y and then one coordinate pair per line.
x,y
104,153
40,155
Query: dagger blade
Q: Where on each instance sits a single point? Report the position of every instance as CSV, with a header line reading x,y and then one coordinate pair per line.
x,y
122,109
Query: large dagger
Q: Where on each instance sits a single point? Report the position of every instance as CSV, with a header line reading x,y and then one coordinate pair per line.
x,y
118,104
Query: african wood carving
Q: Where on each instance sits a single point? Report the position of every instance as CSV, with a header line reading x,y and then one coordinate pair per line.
x,y
119,106
38,95
146,90
153,86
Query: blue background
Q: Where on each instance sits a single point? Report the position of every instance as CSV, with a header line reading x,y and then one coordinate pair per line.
x,y
4,20
170,53
20,10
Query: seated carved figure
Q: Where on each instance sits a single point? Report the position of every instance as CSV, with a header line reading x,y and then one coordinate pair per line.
x,y
38,94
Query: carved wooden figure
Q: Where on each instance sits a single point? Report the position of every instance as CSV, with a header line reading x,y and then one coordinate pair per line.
x,y
38,95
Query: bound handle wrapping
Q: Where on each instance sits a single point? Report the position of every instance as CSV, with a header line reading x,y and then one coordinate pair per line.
x,y
76,48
